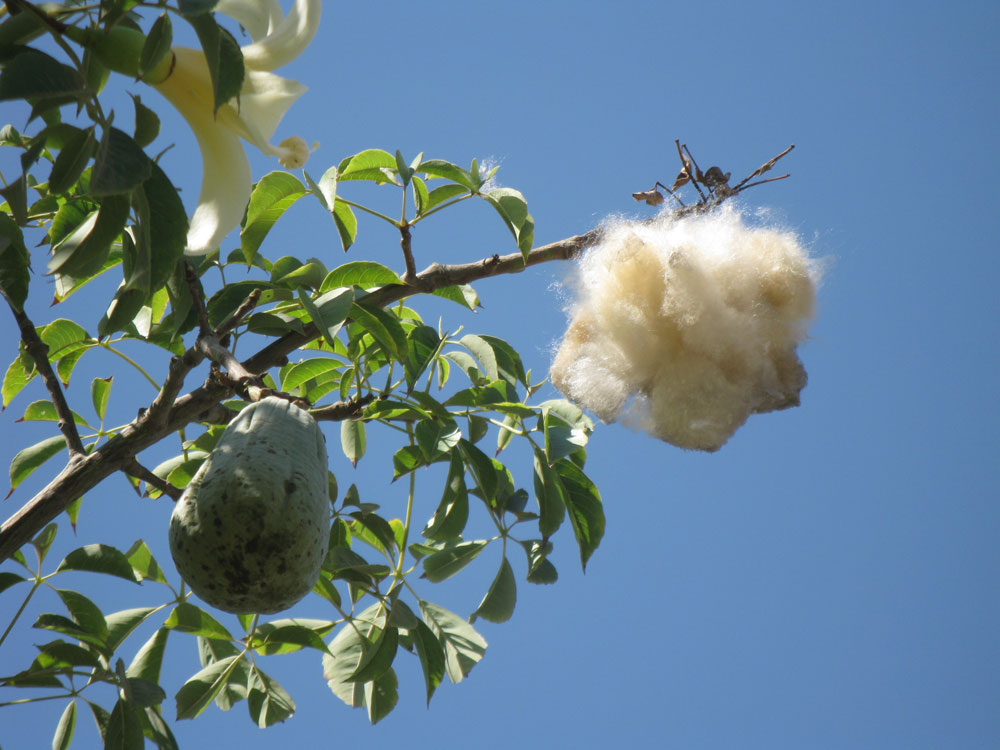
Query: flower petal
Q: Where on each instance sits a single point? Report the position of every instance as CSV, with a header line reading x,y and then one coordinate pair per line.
x,y
258,17
287,40
225,185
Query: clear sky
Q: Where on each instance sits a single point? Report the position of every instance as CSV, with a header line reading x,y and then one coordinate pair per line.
x,y
828,579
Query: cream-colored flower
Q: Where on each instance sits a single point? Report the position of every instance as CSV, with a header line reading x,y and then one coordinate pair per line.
x,y
253,117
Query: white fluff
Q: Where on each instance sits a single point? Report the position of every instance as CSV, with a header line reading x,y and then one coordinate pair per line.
x,y
697,318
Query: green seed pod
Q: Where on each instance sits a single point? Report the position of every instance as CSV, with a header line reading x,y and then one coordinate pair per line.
x,y
251,530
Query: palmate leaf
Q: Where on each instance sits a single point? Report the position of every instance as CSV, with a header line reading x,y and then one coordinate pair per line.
x,y
195,694
267,701
463,646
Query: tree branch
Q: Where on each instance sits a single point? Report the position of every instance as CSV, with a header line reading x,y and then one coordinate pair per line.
x,y
141,472
39,352
169,413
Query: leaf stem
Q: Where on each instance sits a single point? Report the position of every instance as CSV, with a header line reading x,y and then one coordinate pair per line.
x,y
131,361
20,610
371,211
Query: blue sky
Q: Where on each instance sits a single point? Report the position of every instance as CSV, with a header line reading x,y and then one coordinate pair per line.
x,y
828,578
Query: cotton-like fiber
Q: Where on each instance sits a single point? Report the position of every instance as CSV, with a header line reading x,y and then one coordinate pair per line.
x,y
686,327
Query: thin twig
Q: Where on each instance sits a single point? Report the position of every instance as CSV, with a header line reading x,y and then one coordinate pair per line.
x,y
761,182
696,175
242,311
39,352
343,409
766,166
141,472
204,326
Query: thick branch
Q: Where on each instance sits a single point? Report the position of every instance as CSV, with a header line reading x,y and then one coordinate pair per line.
x,y
162,419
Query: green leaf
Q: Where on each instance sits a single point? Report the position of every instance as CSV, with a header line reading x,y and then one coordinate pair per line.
x,y
352,439
59,655
463,646
168,226
271,197
421,345
452,512
306,370
483,352
346,222
187,618
9,579
61,334
449,171
431,657
309,275
100,391
463,294
43,541
65,728
157,44
84,251
381,696
326,189
330,310
540,570
583,503
45,411
85,613
290,635
124,729
195,694
447,562
60,624
72,160
235,688
550,494
346,652
14,265
513,209
29,459
561,438
442,194
223,55
434,438
144,565
498,604
407,459
99,558
34,75
120,164
364,273
18,374
268,702
148,661
121,624
147,123
377,658
371,164
482,469
383,326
